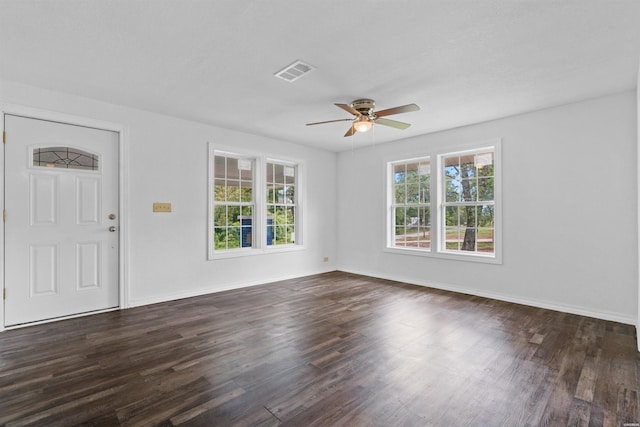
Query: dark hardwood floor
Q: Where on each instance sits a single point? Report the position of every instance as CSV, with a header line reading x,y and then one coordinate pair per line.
x,y
329,350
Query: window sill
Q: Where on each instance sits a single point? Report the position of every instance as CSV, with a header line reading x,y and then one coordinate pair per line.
x,y
239,253
486,259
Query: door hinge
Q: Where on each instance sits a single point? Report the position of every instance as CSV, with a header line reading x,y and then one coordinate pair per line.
x,y
4,136
4,293
4,215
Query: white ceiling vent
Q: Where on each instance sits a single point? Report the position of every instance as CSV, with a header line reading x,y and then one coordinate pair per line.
x,y
294,71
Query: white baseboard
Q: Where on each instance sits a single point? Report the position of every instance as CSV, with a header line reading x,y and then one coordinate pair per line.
x,y
582,311
137,302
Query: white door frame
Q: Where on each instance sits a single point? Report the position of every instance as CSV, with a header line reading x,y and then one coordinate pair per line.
x,y
123,176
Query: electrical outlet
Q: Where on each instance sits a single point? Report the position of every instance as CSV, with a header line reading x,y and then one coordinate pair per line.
x,y
326,259
162,207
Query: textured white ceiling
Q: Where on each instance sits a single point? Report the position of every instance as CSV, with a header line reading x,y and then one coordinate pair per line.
x,y
461,61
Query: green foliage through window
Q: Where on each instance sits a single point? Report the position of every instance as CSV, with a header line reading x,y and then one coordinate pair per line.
x,y
411,181
232,203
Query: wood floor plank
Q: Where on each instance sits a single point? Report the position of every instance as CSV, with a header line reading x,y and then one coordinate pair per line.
x,y
334,349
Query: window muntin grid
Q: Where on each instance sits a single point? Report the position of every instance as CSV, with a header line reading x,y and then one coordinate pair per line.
x,y
281,203
233,202
411,203
61,157
468,206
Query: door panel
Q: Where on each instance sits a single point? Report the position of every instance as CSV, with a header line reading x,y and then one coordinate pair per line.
x,y
88,200
43,192
88,265
43,271
61,185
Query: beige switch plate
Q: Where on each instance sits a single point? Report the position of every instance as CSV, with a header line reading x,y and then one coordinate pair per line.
x,y
162,207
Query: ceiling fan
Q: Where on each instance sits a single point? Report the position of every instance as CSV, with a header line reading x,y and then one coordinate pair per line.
x,y
365,117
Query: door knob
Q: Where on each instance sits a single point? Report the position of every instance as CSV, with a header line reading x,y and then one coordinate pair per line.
x,y
112,228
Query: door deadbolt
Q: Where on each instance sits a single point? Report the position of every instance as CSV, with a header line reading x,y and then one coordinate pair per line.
x,y
112,228
112,216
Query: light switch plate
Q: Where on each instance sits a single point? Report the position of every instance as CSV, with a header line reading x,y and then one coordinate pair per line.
x,y
162,207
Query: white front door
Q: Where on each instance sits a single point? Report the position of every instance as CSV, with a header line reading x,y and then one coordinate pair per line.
x,y
61,226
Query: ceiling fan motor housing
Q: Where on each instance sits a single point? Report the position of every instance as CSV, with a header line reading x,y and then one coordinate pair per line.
x,y
364,106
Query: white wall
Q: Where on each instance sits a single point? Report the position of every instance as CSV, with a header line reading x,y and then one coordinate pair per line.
x,y
167,162
569,211
569,194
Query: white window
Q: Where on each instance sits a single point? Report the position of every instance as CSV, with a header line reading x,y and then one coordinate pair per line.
x,y
453,212
233,202
281,203
468,205
411,203
254,204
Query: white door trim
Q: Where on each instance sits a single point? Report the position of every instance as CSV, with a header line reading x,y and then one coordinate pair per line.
x,y
123,180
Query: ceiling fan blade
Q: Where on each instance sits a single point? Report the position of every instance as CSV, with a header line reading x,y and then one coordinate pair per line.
x,y
348,108
351,131
393,123
397,110
329,121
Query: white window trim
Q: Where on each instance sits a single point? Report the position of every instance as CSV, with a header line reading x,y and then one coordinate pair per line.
x,y
391,203
437,205
298,210
260,208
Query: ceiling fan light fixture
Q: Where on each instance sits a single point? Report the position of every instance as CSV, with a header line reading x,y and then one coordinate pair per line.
x,y
363,124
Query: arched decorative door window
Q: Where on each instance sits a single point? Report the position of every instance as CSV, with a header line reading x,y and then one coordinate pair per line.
x,y
65,158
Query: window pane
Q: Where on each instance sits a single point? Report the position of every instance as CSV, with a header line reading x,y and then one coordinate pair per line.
x,y
452,238
485,240
401,193
219,167
290,175
291,215
291,235
233,190
245,169
453,191
246,191
271,216
468,216
279,174
399,173
484,163
219,190
271,193
469,190
423,238
485,216
425,190
468,166
452,217
280,195
233,237
469,179
468,236
413,192
485,189
246,223
451,167
400,231
411,188
220,216
281,204
269,173
290,194
233,212
232,168
65,158
220,238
